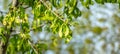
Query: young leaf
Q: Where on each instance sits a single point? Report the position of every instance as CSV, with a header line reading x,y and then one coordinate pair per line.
x,y
60,32
66,30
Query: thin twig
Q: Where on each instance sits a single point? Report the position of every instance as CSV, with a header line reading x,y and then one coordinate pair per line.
x,y
26,7
32,47
37,27
56,14
2,12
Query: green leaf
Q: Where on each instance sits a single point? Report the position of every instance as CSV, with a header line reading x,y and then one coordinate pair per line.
x,y
114,1
66,31
67,40
60,32
57,3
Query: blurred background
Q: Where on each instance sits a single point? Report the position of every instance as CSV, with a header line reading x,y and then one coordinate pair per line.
x,y
96,31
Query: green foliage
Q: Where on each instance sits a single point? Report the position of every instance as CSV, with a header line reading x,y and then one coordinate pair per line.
x,y
86,3
46,13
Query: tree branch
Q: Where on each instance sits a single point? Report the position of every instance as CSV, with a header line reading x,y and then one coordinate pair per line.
x,y
15,3
4,46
